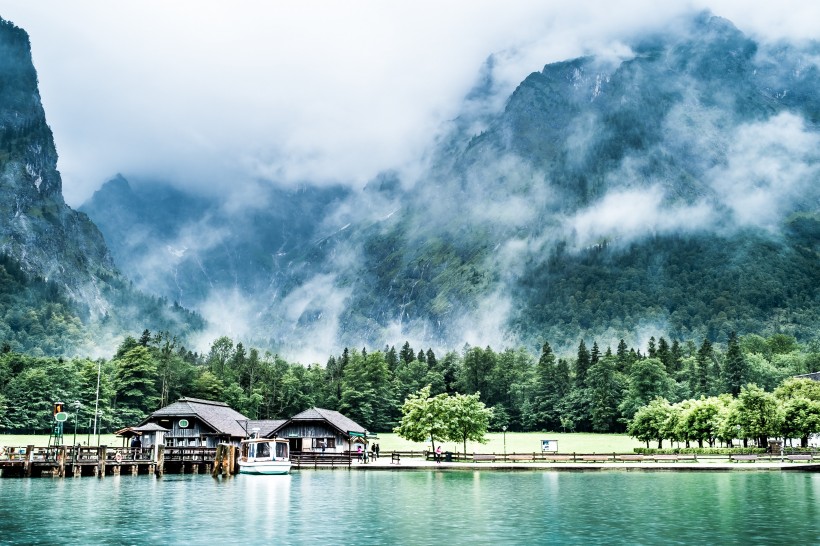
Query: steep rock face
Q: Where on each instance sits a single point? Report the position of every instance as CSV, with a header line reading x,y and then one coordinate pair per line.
x,y
674,189
701,143
37,228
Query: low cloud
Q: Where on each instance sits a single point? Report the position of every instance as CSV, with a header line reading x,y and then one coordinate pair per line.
x,y
772,167
626,215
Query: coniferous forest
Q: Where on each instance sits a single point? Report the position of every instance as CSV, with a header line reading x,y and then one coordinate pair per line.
x,y
595,389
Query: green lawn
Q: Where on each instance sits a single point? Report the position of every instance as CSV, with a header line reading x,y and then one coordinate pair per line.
x,y
524,442
516,442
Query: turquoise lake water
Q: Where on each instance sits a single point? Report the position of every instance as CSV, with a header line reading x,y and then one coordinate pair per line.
x,y
416,507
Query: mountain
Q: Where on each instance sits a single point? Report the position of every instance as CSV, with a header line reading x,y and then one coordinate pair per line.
x,y
184,245
61,290
672,190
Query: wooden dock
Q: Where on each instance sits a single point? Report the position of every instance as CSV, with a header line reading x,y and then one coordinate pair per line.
x,y
77,461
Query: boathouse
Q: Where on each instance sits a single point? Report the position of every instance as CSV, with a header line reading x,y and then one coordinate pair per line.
x,y
320,430
192,422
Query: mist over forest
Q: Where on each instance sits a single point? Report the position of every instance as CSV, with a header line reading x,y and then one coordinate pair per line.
x,y
668,186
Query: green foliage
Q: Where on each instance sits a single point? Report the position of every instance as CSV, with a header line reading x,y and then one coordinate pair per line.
x,y
650,422
424,417
468,419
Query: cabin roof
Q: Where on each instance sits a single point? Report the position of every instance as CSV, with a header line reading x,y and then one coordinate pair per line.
x,y
218,415
334,418
150,427
265,426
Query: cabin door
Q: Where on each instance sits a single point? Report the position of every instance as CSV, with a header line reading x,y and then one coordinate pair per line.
x,y
295,444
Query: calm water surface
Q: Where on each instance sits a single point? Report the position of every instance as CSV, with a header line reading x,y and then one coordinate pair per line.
x,y
416,507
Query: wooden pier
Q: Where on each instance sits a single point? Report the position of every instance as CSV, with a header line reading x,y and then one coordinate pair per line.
x,y
77,461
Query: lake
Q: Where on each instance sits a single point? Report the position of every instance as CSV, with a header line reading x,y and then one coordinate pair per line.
x,y
416,507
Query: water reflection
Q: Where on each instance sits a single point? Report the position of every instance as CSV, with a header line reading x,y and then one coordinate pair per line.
x,y
378,507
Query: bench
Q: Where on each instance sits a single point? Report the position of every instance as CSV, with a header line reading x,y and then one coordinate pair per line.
x,y
559,458
630,458
395,458
674,458
520,457
596,458
794,458
738,458
479,457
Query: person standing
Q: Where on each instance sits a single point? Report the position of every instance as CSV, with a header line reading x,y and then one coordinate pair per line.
x,y
377,451
136,447
438,454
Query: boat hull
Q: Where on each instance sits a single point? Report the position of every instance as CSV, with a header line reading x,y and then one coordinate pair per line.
x,y
264,467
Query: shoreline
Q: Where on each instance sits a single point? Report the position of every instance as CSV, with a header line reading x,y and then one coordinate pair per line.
x,y
696,466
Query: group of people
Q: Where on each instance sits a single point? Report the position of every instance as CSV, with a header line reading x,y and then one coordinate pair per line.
x,y
362,454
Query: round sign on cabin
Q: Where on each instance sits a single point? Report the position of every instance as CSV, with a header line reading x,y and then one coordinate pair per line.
x,y
61,416
183,423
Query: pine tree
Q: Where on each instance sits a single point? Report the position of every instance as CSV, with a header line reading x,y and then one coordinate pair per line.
x,y
406,354
431,359
581,365
735,370
703,360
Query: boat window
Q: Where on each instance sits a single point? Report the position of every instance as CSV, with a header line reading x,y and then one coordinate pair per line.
x,y
281,449
262,450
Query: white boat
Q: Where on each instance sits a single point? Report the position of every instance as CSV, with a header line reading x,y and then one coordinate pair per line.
x,y
264,456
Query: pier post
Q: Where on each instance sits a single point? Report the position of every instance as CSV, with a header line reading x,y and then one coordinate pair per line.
x,y
159,469
27,463
215,471
61,454
101,452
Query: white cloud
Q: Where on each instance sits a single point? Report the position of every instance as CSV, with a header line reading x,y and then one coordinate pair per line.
x,y
625,215
213,94
771,167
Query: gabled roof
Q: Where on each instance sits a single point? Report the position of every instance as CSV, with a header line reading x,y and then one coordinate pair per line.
x,y
150,427
218,415
334,418
265,426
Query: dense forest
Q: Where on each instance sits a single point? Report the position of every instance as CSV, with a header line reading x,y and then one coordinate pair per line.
x,y
596,389
38,318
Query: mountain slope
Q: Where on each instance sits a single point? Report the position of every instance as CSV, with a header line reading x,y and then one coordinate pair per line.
x,y
672,190
56,267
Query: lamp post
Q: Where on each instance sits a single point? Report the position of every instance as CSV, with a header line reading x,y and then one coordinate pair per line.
x,y
504,431
76,417
97,400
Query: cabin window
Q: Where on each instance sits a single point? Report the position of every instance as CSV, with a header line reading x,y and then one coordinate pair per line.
x,y
262,450
281,450
328,443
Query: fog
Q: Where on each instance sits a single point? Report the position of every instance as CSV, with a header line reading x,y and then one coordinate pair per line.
x,y
228,101
213,96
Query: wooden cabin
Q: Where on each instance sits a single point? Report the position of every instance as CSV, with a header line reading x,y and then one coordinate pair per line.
x,y
317,428
192,422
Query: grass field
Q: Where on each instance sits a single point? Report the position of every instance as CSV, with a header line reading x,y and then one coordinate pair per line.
x,y
516,442
524,442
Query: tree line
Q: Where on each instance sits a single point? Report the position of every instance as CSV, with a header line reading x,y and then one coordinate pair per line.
x,y
792,411
592,390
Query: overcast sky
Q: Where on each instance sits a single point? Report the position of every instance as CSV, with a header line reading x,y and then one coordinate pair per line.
x,y
213,94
